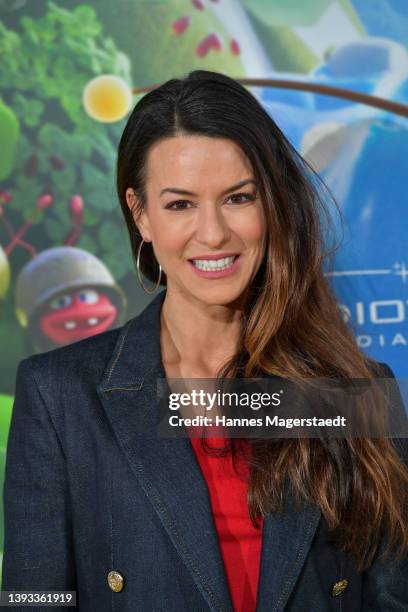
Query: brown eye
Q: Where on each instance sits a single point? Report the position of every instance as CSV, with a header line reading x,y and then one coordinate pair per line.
x,y
242,198
178,205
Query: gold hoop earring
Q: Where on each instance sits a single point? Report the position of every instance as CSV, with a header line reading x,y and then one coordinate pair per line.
x,y
138,270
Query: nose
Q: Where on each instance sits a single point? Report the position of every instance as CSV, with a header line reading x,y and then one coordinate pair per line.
x,y
212,227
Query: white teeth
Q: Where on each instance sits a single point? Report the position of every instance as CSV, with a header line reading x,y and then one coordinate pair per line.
x,y
70,325
214,264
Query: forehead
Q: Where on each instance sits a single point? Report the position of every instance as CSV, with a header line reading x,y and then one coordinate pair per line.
x,y
183,159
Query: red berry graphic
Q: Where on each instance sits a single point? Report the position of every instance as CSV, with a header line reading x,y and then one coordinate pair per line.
x,y
181,25
209,42
198,4
5,196
235,49
203,47
214,42
44,201
76,204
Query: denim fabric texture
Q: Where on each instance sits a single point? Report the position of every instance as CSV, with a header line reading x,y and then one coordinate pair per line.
x,y
90,488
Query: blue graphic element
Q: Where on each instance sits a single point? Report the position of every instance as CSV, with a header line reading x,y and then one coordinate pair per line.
x,y
361,152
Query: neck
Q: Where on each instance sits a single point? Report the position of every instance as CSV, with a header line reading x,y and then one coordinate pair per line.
x,y
199,333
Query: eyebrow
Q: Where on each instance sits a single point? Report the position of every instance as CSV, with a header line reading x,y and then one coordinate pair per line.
x,y
191,193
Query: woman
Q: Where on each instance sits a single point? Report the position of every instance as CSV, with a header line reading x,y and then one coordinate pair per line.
x,y
96,501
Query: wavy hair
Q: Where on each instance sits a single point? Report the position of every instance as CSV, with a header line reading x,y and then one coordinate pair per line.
x,y
292,327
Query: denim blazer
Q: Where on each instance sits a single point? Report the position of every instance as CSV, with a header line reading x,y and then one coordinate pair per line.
x,y
95,501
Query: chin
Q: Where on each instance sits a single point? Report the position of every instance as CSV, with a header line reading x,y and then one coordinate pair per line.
x,y
218,296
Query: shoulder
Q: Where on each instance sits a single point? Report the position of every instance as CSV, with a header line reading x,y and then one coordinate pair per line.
x,y
85,359
383,370
379,368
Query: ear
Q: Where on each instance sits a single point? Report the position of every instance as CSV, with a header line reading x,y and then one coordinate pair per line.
x,y
140,216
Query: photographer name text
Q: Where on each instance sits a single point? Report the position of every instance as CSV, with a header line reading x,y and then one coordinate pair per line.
x,y
267,421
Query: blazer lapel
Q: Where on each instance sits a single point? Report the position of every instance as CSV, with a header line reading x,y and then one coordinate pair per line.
x,y
286,541
170,476
167,469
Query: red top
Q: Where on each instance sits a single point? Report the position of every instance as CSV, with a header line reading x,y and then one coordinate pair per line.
x,y
240,542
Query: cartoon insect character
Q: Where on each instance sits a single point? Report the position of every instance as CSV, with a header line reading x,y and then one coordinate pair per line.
x,y
66,294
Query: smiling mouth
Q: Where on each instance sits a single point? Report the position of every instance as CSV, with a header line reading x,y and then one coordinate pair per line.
x,y
79,324
214,265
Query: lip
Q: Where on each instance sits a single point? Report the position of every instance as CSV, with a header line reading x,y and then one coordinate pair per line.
x,y
214,256
217,273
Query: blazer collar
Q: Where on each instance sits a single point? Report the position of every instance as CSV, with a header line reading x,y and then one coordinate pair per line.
x,y
170,476
137,352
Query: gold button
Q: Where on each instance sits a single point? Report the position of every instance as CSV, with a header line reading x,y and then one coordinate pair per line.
x,y
116,581
339,587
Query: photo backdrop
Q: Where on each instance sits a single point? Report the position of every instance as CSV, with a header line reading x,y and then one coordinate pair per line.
x,y
67,80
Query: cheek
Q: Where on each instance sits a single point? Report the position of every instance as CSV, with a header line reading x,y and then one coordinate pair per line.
x,y
169,244
168,234
251,227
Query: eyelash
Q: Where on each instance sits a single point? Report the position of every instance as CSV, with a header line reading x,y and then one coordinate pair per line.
x,y
250,197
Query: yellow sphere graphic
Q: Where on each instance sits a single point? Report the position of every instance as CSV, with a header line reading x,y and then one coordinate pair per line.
x,y
107,98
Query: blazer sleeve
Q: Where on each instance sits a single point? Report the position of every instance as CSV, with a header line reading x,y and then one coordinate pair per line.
x,y
38,545
385,584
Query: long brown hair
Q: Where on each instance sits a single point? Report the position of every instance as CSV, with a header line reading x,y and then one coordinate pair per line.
x,y
293,326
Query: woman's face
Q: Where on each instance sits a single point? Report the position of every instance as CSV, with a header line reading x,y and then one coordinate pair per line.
x,y
202,202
